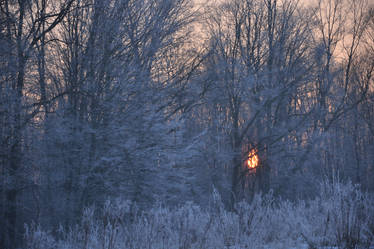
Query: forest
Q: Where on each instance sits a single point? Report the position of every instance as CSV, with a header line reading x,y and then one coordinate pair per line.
x,y
186,124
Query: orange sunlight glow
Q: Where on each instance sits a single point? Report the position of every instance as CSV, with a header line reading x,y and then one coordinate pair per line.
x,y
252,161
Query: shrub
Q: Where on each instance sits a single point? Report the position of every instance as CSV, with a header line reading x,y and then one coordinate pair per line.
x,y
341,217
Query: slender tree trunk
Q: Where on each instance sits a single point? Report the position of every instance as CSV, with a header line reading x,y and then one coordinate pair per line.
x,y
15,149
236,146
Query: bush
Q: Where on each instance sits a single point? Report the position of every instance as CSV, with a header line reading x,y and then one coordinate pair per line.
x,y
341,217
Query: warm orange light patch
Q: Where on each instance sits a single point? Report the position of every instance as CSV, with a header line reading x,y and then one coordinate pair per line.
x,y
252,161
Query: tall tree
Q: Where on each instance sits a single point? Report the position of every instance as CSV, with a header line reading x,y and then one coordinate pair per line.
x,y
258,64
24,28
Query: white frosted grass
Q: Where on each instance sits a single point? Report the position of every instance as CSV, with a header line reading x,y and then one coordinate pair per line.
x,y
341,217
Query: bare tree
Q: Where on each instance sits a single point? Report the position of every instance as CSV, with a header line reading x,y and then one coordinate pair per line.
x,y
25,28
257,66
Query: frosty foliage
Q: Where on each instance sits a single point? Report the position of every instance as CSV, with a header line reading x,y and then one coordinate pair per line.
x,y
163,103
340,217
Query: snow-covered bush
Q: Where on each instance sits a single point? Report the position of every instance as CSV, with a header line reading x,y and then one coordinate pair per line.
x,y
37,239
341,217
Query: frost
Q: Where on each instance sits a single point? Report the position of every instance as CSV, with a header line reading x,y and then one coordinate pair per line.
x,y
341,217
